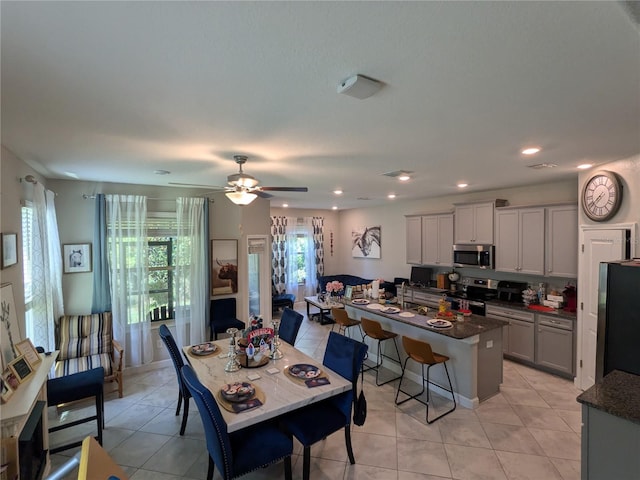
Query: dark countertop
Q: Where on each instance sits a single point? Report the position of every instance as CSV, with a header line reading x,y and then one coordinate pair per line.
x,y
499,303
473,325
618,394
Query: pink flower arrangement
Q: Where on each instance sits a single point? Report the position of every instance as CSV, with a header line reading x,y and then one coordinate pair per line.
x,y
334,287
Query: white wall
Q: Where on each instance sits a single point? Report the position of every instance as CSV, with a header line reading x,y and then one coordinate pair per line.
x,y
391,217
628,171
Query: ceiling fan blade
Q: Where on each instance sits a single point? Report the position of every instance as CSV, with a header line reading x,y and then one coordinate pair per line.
x,y
285,189
198,185
262,194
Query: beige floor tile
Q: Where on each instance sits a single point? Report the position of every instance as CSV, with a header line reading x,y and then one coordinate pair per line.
x,y
142,474
523,396
331,448
470,463
138,448
572,418
538,417
134,417
367,472
512,438
416,476
520,466
375,450
175,457
379,422
423,457
460,432
321,469
497,413
569,469
409,427
558,444
560,400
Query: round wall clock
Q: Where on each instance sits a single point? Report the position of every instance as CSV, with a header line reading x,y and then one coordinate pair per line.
x,y
601,196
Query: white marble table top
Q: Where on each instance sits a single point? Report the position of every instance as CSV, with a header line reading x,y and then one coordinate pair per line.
x,y
282,394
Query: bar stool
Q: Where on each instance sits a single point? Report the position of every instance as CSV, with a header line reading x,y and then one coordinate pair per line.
x,y
78,386
343,321
373,330
421,352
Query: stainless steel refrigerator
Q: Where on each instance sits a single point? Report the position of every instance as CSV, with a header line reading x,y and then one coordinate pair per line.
x,y
618,345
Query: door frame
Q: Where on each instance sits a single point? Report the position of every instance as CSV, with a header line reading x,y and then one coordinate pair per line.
x,y
632,227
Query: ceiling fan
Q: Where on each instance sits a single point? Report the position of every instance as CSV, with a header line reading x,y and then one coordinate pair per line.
x,y
243,188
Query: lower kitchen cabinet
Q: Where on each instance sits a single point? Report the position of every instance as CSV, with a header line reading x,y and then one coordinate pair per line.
x,y
555,347
543,341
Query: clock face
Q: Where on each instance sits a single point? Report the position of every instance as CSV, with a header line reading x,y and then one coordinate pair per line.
x,y
601,196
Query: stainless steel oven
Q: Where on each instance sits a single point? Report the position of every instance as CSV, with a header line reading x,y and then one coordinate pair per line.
x,y
480,256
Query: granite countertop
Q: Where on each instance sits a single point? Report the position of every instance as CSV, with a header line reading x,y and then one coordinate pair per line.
x,y
500,303
618,394
472,325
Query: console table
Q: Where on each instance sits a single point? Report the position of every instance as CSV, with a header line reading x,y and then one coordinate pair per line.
x,y
17,412
324,307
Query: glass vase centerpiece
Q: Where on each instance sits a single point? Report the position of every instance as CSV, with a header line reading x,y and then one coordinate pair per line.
x,y
336,290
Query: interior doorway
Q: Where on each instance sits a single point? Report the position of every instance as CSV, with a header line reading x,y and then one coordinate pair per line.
x,y
259,276
598,244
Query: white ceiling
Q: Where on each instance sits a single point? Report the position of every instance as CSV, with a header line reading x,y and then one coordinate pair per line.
x,y
111,91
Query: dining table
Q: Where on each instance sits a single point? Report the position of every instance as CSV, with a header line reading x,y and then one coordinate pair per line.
x,y
281,392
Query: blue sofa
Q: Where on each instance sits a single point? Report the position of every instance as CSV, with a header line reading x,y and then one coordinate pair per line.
x,y
352,280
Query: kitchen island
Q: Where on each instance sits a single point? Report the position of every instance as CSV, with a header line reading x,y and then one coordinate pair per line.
x,y
473,346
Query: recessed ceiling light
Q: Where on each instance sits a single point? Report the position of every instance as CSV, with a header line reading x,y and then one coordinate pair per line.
x,y
463,185
584,166
391,195
334,208
530,151
161,172
404,178
338,192
285,205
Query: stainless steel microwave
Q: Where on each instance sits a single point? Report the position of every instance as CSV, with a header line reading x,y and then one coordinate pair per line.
x,y
480,256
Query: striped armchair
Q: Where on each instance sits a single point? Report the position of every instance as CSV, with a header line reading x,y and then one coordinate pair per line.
x,y
86,342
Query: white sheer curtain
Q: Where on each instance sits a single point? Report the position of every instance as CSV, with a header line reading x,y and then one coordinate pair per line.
x,y
44,298
127,246
192,297
300,228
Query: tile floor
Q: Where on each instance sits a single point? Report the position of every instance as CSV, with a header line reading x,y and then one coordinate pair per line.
x,y
530,430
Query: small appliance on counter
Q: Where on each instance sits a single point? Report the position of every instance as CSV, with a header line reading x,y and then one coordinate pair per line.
x,y
509,291
453,278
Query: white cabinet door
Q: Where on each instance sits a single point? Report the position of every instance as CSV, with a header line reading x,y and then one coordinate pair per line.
x,y
520,240
562,241
414,240
430,240
507,251
483,213
464,224
445,240
531,241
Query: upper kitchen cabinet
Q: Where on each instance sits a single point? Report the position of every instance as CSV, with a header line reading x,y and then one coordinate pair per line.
x,y
562,241
429,239
520,240
437,240
414,240
474,222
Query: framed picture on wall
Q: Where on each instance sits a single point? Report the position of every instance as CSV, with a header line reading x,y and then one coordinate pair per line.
x,y
76,257
366,242
9,247
224,267
9,327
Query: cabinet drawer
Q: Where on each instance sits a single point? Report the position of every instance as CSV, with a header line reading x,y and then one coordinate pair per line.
x,y
501,312
563,323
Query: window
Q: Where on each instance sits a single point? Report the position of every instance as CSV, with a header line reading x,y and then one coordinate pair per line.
x,y
301,252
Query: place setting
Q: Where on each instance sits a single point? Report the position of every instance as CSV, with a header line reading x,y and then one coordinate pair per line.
x,y
240,397
307,374
204,349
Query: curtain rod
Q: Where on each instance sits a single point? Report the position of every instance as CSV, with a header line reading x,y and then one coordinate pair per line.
x,y
86,196
32,180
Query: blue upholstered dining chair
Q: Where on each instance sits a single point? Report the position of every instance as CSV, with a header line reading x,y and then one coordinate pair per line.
x,y
223,316
289,325
311,424
178,362
242,451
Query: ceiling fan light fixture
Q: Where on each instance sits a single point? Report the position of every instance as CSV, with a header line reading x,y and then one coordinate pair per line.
x,y
241,197
242,180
